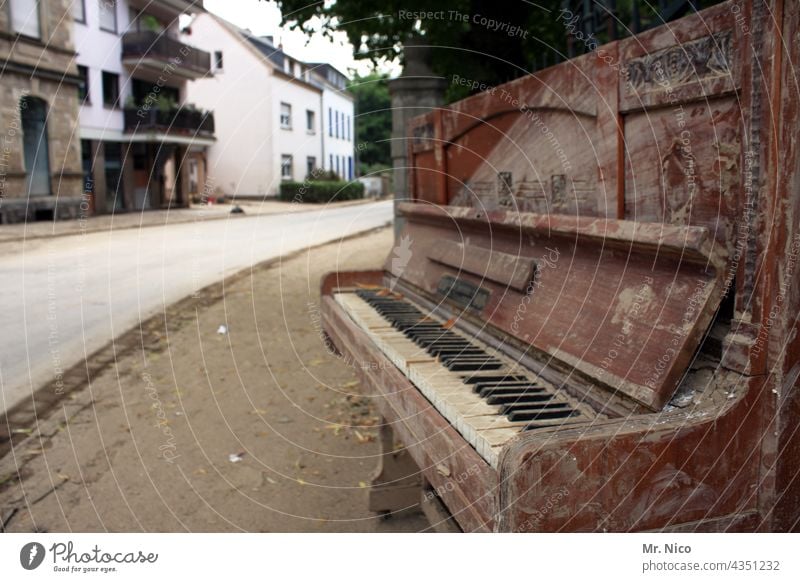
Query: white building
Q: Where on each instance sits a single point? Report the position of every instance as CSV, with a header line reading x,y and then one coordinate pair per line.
x,y
142,146
273,124
337,110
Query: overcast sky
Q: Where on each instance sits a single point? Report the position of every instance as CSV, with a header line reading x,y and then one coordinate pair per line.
x,y
263,18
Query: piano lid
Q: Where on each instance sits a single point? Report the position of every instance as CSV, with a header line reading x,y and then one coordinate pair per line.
x,y
625,303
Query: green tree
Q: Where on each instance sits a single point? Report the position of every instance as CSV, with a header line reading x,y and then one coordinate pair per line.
x,y
373,121
466,43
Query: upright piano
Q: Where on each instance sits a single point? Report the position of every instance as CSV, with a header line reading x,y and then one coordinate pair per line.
x,y
589,318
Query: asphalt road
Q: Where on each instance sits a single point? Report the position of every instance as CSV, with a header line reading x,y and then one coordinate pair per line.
x,y
63,298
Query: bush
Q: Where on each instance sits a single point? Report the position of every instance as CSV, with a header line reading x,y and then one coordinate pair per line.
x,y
317,192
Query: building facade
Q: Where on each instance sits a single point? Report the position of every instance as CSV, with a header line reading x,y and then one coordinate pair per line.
x,y
142,143
338,112
40,163
274,125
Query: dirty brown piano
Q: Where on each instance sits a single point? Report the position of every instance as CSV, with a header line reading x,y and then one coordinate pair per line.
x,y
588,321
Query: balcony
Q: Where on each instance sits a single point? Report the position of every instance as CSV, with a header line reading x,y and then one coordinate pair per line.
x,y
176,122
158,53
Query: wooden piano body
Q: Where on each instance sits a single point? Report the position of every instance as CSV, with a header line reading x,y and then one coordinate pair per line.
x,y
625,226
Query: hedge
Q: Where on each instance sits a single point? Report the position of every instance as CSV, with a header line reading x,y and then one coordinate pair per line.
x,y
318,192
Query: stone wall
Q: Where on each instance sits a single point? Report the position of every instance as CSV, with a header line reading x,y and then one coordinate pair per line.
x,y
36,69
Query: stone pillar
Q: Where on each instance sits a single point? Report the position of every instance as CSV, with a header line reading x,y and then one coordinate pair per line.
x,y
415,92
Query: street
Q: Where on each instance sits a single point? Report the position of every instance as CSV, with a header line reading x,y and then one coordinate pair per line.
x,y
68,296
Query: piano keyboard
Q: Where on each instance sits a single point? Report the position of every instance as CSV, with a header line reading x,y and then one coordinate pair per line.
x,y
484,395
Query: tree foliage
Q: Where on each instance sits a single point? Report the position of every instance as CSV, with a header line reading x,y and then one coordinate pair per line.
x,y
467,43
373,121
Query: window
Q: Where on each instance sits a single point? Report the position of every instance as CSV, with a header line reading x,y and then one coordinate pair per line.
x,y
218,60
349,167
330,126
311,166
286,116
79,11
336,126
348,128
286,167
83,88
108,15
25,17
143,22
310,121
110,89
330,162
337,167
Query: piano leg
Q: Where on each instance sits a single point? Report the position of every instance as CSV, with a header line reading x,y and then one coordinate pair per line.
x,y
397,482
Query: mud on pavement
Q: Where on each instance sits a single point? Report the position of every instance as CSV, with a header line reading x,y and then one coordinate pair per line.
x,y
223,413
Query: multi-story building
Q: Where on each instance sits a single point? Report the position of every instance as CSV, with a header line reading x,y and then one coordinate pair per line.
x,y
40,163
273,126
337,109
143,144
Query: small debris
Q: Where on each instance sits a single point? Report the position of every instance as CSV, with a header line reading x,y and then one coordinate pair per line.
x,y
237,210
442,470
449,323
363,438
236,457
283,420
363,484
222,330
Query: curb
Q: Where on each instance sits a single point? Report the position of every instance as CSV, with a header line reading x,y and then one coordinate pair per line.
x,y
227,216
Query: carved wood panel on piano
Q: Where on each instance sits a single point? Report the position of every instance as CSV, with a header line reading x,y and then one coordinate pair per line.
x,y
584,312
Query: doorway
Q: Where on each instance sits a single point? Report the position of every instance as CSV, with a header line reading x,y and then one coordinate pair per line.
x,y
36,148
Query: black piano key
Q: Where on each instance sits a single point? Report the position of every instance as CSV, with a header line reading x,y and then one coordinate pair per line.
x,y
516,384
468,366
449,343
430,345
519,398
520,388
449,355
541,413
476,378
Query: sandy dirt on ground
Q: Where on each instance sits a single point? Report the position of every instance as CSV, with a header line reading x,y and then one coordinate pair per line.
x,y
250,427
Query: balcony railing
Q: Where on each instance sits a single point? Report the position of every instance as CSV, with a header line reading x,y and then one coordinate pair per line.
x,y
162,48
175,121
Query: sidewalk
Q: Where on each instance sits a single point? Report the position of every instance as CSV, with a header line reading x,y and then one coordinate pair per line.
x,y
191,426
106,222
